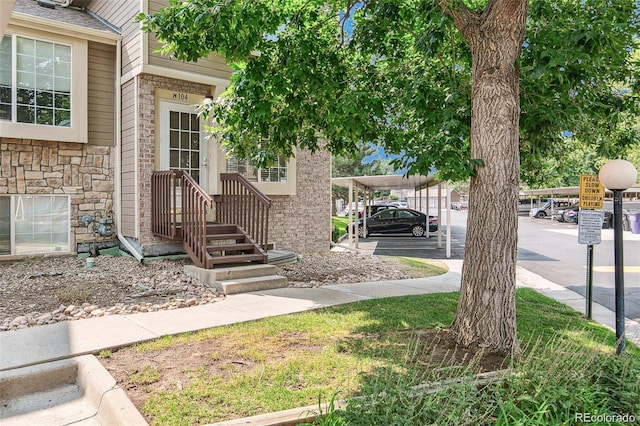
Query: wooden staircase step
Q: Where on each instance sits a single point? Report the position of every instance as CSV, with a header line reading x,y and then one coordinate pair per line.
x,y
234,258
229,236
221,228
230,247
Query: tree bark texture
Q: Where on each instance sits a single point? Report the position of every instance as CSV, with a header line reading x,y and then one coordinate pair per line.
x,y
486,311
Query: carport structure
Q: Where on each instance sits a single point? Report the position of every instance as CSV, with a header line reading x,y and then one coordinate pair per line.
x,y
573,192
369,184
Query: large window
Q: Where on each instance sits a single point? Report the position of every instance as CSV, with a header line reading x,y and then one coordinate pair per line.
x,y
31,224
276,173
43,86
35,81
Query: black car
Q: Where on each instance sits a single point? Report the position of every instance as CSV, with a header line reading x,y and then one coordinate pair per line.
x,y
397,221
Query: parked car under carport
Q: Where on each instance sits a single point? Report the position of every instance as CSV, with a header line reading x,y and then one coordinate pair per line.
x,y
396,221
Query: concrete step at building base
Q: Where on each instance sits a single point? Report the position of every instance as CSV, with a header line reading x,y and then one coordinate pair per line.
x,y
238,279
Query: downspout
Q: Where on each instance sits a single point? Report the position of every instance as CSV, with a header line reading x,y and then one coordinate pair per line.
x,y
118,177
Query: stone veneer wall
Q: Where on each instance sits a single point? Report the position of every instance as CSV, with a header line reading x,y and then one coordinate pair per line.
x,y
84,172
303,223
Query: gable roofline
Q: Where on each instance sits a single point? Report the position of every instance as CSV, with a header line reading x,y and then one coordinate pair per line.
x,y
19,19
63,20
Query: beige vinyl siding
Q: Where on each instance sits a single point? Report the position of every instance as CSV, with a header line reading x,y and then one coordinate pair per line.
x,y
101,87
131,47
214,65
122,13
116,12
128,166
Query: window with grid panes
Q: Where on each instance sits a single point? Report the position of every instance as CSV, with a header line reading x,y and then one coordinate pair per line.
x,y
184,143
276,173
35,81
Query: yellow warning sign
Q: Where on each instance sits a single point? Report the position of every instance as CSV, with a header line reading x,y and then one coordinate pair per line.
x,y
591,192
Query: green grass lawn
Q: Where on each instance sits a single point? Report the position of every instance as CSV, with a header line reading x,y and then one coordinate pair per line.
x,y
377,346
340,226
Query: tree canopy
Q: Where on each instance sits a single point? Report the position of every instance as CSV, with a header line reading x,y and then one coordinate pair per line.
x,y
465,86
399,74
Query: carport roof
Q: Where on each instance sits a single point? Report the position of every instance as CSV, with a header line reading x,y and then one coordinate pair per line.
x,y
415,182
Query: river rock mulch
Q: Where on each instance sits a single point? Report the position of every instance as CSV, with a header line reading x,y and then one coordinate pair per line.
x,y
48,290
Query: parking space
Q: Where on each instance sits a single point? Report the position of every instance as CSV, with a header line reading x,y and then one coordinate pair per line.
x,y
421,247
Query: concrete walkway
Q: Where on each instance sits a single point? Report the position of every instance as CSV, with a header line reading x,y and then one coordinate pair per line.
x,y
68,339
48,378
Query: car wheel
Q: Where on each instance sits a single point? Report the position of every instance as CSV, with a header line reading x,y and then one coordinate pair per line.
x,y
541,215
417,230
363,232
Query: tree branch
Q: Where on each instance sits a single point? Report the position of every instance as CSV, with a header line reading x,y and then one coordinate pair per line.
x,y
463,17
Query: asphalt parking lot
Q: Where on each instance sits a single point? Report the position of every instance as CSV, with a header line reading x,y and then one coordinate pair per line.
x,y
545,247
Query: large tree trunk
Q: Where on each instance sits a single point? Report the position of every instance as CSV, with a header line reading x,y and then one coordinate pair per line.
x,y
486,310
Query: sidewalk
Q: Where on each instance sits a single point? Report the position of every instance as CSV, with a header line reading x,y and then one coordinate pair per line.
x,y
67,339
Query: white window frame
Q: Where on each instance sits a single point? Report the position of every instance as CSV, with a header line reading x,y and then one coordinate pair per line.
x,y
16,210
233,166
78,131
165,108
271,188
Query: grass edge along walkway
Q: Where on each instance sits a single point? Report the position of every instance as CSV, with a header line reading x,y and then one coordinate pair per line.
x,y
554,337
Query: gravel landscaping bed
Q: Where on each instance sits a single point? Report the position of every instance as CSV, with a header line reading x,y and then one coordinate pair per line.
x,y
48,290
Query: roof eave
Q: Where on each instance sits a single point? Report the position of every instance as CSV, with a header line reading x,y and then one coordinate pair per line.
x,y
19,19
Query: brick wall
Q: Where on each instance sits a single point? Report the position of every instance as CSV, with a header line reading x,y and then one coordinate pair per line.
x,y
147,84
303,223
84,172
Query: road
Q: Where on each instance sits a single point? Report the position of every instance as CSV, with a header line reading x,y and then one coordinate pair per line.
x,y
551,249
547,248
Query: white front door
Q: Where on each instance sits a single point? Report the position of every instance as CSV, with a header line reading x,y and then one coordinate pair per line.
x,y
182,144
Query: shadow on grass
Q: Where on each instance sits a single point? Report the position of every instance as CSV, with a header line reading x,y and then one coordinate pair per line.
x,y
374,347
568,372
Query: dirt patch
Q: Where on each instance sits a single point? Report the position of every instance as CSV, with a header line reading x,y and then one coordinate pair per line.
x,y
442,349
180,364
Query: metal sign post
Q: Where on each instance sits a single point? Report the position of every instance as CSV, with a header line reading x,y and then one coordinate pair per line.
x,y
590,225
589,299
590,233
